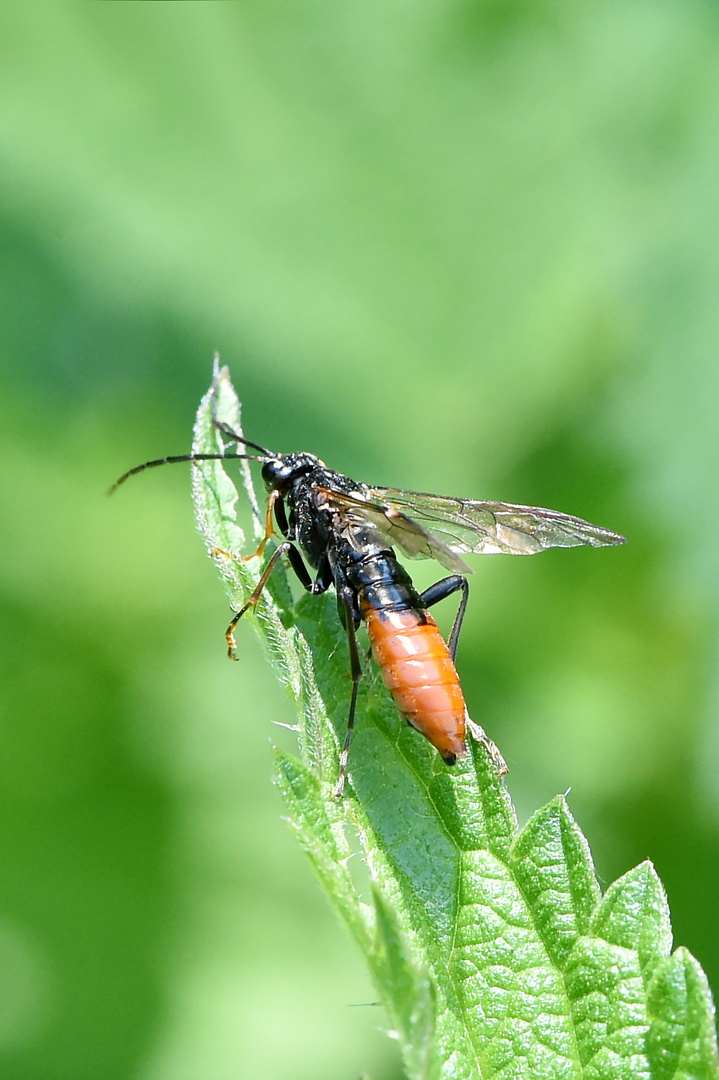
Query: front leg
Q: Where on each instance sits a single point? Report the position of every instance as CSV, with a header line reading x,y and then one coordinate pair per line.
x,y
303,575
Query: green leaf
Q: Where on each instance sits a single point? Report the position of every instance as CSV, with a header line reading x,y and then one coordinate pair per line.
x,y
681,1042
492,949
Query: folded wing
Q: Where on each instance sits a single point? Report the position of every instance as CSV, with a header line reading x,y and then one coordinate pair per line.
x,y
442,528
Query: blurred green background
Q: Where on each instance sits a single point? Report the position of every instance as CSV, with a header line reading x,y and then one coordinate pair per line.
x,y
469,247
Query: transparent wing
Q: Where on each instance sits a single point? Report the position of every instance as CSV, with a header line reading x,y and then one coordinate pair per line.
x,y
399,529
441,528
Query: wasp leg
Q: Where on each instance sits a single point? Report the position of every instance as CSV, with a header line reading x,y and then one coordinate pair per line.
x,y
345,598
255,596
269,528
440,591
300,570
323,580
281,516
433,595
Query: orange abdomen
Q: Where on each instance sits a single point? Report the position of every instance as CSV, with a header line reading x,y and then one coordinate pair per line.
x,y
418,671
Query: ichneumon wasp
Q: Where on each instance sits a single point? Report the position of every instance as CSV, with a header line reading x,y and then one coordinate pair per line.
x,y
341,533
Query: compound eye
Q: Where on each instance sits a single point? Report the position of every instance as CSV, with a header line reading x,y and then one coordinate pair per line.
x,y
269,472
275,474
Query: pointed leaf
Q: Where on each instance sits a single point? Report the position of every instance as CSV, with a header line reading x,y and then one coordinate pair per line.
x,y
493,952
682,1040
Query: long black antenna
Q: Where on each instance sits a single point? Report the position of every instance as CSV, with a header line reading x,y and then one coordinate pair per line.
x,y
227,430
221,426
185,457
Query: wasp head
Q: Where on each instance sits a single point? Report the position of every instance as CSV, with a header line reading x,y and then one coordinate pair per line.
x,y
280,473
